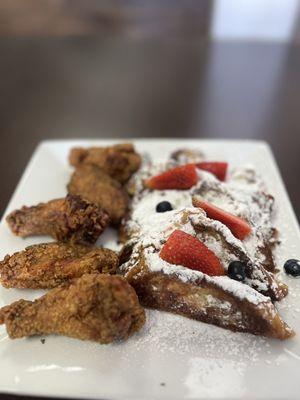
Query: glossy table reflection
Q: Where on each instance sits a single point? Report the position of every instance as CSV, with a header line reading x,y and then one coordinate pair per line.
x,y
52,88
92,88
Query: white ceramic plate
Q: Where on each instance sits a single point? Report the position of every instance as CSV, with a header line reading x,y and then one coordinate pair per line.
x,y
172,357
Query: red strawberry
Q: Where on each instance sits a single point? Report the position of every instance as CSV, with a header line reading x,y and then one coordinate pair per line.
x,y
183,177
239,227
219,169
186,250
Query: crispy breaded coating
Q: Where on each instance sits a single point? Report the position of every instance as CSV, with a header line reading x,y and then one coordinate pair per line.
x,y
119,161
96,186
102,308
71,218
47,265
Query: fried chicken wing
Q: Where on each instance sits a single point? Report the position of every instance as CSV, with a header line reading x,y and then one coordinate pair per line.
x,y
102,308
119,161
71,218
96,186
48,265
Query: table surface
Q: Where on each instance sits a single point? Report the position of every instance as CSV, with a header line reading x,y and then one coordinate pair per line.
x,y
118,88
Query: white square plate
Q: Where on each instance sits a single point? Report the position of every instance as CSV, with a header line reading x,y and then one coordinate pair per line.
x,y
172,357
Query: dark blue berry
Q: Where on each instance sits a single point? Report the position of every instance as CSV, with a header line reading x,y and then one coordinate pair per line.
x,y
292,267
237,270
164,206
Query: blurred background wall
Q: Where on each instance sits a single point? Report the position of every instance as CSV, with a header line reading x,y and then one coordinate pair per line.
x,y
218,19
134,68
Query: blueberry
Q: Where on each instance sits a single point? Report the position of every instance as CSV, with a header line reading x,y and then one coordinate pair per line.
x,y
237,270
292,267
164,206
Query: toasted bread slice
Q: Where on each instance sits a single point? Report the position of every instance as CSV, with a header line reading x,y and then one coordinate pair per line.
x,y
218,238
249,202
219,300
239,306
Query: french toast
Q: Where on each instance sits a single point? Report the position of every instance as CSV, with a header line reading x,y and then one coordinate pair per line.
x,y
246,305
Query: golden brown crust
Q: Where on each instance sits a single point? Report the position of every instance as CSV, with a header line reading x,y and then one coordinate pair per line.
x,y
206,302
96,186
119,161
267,249
48,265
71,218
102,308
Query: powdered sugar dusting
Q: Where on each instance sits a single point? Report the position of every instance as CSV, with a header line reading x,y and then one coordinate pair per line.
x,y
161,330
241,195
238,289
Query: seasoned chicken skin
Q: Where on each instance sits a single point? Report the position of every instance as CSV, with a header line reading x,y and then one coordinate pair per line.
x,y
71,218
96,186
102,308
119,161
48,265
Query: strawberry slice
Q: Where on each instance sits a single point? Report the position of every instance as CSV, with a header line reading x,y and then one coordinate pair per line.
x,y
239,227
183,177
186,250
219,169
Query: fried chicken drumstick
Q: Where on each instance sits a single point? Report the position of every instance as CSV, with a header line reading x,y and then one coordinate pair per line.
x,y
96,186
45,266
119,161
70,218
102,308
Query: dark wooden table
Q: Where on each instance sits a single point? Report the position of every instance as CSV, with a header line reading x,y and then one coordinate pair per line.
x,y
92,88
68,88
